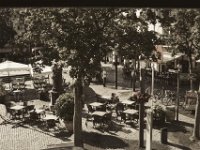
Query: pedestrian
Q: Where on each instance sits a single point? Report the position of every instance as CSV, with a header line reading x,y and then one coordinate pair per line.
x,y
104,75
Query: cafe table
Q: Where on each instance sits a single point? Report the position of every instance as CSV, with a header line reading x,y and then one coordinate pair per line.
x,y
39,111
130,111
127,102
106,97
18,108
96,104
50,117
50,120
99,113
98,117
132,114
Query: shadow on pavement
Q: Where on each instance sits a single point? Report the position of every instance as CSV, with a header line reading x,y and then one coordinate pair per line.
x,y
103,141
176,127
185,124
179,146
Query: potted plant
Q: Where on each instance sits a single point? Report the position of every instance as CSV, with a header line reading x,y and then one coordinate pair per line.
x,y
64,109
158,115
2,94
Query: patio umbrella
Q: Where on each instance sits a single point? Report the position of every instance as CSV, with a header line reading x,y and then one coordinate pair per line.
x,y
10,68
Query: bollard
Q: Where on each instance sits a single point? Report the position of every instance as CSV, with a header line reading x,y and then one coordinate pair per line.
x,y
164,135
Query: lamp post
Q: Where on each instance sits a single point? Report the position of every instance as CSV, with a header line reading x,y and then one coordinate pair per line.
x,y
141,105
150,114
115,62
177,93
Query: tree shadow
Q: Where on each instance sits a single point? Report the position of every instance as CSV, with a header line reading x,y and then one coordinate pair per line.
x,y
178,146
63,135
103,141
175,127
182,123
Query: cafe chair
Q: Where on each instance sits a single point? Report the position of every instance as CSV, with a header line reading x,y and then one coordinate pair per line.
x,y
119,109
29,108
12,113
123,117
50,123
97,120
108,118
33,117
133,106
102,108
90,111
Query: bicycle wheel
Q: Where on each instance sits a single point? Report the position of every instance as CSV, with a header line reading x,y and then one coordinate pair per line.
x,y
157,94
165,101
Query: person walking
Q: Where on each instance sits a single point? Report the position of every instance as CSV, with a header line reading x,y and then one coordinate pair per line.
x,y
104,75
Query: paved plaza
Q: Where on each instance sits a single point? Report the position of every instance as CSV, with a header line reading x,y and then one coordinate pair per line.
x,y
16,136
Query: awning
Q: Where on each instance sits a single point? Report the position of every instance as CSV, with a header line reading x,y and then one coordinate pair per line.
x,y
167,57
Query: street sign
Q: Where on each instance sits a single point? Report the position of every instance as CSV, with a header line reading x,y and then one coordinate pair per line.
x,y
149,130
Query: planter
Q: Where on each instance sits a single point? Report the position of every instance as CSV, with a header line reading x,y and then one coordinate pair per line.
x,y
158,115
170,113
159,120
43,95
69,125
2,99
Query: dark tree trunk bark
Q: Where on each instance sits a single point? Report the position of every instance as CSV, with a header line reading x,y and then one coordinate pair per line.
x,y
133,74
78,91
190,71
57,80
195,135
141,111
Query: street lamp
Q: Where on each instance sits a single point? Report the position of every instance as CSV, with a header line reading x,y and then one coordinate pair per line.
x,y
142,66
115,63
177,93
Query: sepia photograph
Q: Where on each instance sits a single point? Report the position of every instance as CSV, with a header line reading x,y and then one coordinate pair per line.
x,y
99,78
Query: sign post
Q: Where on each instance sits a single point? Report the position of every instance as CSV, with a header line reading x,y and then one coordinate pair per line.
x,y
149,130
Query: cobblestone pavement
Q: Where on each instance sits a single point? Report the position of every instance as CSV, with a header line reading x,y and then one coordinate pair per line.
x,y
24,137
131,134
32,138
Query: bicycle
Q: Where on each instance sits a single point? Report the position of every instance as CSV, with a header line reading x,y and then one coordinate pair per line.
x,y
169,98
158,94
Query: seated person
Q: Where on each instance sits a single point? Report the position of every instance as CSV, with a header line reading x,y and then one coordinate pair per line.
x,y
34,115
114,98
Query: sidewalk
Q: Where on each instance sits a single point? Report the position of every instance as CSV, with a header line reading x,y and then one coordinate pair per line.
x,y
177,138
132,137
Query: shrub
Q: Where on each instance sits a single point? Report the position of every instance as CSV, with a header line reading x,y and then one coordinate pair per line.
x,y
2,90
64,107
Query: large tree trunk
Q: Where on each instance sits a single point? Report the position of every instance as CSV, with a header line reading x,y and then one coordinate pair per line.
x,y
133,74
141,111
195,134
78,91
190,71
57,79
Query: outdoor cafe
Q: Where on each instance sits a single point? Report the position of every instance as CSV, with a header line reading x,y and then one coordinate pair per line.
x,y
104,112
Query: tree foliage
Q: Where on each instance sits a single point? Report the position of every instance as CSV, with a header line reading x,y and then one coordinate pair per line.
x,y
6,31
